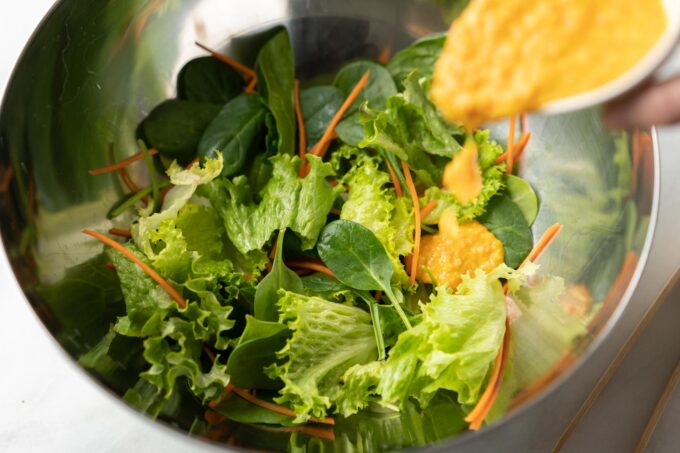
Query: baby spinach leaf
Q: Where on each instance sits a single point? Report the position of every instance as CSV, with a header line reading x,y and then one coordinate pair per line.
x,y
380,86
358,259
280,277
421,56
236,132
319,105
524,197
256,350
506,221
206,79
276,75
175,127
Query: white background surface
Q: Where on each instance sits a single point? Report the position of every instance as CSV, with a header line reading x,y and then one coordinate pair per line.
x,y
48,405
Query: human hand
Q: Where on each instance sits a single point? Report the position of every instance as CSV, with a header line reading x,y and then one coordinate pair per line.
x,y
654,103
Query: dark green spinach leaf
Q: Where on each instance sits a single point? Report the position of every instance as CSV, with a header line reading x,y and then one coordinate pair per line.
x,y
507,222
319,105
358,259
276,77
256,350
280,277
175,127
380,86
206,79
420,56
236,132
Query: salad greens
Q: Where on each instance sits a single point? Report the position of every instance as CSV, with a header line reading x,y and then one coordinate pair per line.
x,y
294,269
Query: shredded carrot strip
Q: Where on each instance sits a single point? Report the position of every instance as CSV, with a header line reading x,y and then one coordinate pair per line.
x,y
6,180
416,209
518,150
523,127
303,272
122,164
511,145
120,232
408,260
209,352
385,55
302,150
213,417
425,210
395,180
250,88
336,211
193,162
478,414
321,147
312,266
129,183
543,243
476,417
110,266
378,296
247,72
132,257
274,407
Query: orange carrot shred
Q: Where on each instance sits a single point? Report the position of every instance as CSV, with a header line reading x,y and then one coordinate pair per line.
x,y
6,180
518,150
301,122
428,208
312,266
274,407
321,147
213,418
250,88
129,183
110,266
395,180
511,145
476,417
247,72
378,296
385,55
193,162
120,232
122,164
416,207
146,268
336,211
543,243
523,126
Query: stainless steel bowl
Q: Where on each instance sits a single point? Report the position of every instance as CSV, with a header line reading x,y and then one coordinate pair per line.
x,y
94,69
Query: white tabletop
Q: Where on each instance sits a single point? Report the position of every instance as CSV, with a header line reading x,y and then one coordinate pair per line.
x,y
48,405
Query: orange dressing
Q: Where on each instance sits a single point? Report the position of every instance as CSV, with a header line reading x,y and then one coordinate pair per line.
x,y
504,57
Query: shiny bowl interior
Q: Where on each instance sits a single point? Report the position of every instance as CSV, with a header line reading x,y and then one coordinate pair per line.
x,y
94,69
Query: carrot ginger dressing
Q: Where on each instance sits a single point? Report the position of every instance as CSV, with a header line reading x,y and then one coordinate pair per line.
x,y
504,57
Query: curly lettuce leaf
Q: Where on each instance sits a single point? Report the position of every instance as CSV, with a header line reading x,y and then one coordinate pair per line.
x,y
186,181
377,207
493,183
411,128
452,348
328,338
173,337
420,56
286,201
